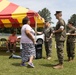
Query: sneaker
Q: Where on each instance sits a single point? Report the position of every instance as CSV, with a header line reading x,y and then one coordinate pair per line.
x,y
31,65
49,58
10,57
58,67
22,64
8,51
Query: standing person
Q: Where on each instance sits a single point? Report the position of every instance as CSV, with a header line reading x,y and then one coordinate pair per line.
x,y
60,35
71,41
11,42
47,30
27,41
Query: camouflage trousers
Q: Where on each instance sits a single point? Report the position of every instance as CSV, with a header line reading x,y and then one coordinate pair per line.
x,y
48,48
60,46
70,49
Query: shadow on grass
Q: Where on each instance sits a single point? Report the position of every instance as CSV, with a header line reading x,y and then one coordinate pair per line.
x,y
47,65
2,53
43,57
56,60
16,64
64,60
29,67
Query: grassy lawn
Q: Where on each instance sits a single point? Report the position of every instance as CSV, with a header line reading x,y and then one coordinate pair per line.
x,y
42,66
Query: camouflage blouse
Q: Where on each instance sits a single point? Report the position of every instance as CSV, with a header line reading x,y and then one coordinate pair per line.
x,y
71,38
47,32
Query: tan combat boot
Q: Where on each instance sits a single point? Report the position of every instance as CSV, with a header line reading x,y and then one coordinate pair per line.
x,y
59,66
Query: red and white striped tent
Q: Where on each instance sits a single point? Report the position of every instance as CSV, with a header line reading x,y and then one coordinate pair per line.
x,y
11,15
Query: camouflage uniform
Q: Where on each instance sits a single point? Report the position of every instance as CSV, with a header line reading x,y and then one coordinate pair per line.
x,y
48,42
60,38
71,43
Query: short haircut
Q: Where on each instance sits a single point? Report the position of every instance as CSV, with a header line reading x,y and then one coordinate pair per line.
x,y
71,22
12,31
46,21
25,20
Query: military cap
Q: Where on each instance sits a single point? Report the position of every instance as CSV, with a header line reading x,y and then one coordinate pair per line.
x,y
57,12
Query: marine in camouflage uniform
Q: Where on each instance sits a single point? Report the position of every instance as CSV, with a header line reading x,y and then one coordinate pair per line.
x,y
71,42
48,32
48,41
60,36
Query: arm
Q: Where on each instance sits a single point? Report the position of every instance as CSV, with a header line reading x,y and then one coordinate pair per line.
x,y
51,33
8,40
62,23
51,36
73,34
30,35
40,33
71,31
59,30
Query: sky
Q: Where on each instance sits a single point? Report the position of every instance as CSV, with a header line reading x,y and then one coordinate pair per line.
x,y
68,7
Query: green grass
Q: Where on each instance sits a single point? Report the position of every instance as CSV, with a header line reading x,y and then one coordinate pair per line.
x,y
42,66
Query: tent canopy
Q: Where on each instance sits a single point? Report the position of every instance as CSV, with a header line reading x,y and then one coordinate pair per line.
x,y
11,15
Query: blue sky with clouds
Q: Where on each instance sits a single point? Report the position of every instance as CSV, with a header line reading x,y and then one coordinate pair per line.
x,y
67,6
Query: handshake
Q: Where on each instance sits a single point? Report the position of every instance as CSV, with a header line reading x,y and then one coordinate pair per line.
x,y
47,39
67,33
53,32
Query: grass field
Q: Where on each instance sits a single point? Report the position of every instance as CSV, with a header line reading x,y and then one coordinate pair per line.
x,y
42,66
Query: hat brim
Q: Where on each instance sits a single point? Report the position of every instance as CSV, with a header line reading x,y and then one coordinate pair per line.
x,y
55,14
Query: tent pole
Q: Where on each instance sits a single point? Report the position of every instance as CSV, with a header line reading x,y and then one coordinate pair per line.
x,y
35,27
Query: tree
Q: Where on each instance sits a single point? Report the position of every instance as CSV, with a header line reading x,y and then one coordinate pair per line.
x,y
73,19
45,13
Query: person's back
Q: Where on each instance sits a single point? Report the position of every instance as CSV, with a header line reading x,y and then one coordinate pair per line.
x,y
24,37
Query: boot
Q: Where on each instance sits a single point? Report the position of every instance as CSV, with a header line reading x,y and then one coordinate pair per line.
x,y
59,66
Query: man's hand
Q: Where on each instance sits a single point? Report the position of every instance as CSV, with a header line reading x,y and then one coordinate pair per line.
x,y
67,33
34,42
50,37
40,33
53,32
